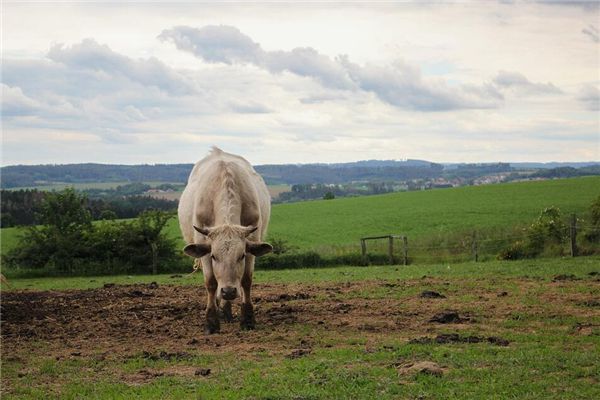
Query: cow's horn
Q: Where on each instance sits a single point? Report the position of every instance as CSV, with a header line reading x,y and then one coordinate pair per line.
x,y
202,230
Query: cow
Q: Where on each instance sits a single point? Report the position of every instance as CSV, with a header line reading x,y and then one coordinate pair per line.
x,y
223,214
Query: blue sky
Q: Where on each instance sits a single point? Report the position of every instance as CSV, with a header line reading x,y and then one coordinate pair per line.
x,y
300,82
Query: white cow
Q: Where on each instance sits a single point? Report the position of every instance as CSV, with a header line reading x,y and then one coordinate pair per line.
x,y
223,215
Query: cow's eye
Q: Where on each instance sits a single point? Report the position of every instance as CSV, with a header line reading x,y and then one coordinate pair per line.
x,y
242,257
213,257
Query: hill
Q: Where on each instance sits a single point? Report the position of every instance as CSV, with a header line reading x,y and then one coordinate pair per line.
x,y
333,225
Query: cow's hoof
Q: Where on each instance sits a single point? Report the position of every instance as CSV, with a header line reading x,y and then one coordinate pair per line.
x,y
247,320
226,312
212,326
212,322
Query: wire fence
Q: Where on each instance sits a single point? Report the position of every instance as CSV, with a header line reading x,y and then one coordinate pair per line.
x,y
568,240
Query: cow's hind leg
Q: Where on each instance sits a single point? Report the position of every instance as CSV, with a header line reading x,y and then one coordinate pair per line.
x,y
247,320
212,315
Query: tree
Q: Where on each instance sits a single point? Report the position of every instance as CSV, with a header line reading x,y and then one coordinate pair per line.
x,y
62,237
68,242
150,225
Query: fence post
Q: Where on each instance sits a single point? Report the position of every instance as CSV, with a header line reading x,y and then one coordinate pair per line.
x,y
154,258
363,250
405,243
391,249
573,232
474,247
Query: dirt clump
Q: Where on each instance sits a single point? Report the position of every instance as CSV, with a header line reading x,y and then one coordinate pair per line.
x,y
297,353
430,294
564,277
448,338
202,372
590,303
449,317
422,367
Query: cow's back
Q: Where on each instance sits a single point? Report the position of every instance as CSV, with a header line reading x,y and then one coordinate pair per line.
x,y
196,201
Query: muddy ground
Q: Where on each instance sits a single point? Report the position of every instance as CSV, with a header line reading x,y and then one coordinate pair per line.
x,y
168,320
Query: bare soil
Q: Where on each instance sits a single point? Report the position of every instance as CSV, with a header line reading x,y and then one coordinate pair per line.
x,y
167,322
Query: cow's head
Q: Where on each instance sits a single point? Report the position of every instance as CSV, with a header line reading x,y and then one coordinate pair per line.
x,y
226,247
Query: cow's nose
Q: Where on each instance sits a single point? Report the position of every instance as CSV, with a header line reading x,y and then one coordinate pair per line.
x,y
229,293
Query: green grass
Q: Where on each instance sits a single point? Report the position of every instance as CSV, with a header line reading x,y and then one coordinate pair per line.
x,y
539,268
332,226
9,238
546,359
341,222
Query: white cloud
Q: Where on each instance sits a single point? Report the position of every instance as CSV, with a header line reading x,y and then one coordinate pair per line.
x,y
592,32
509,82
400,84
518,82
589,96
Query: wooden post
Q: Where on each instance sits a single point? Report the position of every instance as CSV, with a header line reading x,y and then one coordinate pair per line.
x,y
474,247
573,232
154,258
405,243
391,249
363,249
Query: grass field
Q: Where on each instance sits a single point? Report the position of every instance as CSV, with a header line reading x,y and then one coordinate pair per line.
x,y
325,225
527,330
331,226
343,221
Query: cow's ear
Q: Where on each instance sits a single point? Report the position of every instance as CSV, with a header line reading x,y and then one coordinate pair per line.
x,y
258,249
205,231
197,250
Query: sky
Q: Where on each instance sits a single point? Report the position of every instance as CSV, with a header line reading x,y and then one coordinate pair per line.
x,y
300,82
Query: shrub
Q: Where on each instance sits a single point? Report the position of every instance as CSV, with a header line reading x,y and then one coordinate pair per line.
x,y
547,234
69,243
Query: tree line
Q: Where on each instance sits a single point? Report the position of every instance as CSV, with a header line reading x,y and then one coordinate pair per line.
x,y
24,207
66,241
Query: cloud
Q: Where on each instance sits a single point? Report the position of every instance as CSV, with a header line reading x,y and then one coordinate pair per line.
x,y
91,56
400,85
15,103
215,44
517,81
592,32
589,96
249,108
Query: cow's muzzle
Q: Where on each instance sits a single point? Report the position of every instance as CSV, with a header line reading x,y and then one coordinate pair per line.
x,y
229,293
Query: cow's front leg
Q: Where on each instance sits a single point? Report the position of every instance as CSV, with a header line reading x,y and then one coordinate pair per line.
x,y
247,320
212,315
226,309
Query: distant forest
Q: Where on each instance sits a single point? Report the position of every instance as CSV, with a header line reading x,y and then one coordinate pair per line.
x,y
290,174
24,207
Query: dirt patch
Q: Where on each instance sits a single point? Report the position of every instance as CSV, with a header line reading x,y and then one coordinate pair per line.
x,y
449,317
564,277
456,338
429,294
422,367
590,303
146,375
166,322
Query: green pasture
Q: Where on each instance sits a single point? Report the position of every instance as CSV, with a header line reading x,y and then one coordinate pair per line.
x,y
538,268
332,226
553,351
342,221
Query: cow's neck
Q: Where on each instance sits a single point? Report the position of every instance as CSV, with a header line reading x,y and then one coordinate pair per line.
x,y
228,207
